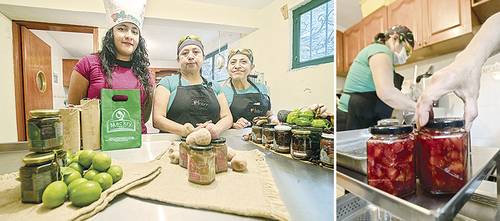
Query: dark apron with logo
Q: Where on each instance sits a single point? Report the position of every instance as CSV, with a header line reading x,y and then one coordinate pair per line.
x,y
366,108
249,105
194,104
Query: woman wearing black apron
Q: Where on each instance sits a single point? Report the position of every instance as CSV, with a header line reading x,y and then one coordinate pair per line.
x,y
187,100
372,88
246,98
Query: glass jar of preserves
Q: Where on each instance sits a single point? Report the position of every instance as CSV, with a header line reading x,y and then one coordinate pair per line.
x,y
183,153
201,164
301,144
282,138
45,131
326,146
391,159
39,170
257,134
220,150
315,136
268,133
61,158
443,146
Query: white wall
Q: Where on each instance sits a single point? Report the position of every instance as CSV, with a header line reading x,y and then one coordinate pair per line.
x,y
8,125
58,53
484,131
271,45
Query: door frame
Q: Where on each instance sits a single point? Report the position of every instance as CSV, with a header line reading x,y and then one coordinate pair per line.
x,y
18,60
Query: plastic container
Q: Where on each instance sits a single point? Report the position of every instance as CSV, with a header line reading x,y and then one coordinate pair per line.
x,y
443,146
391,159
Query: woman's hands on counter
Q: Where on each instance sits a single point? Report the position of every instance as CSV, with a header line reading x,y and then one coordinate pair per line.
x,y
241,123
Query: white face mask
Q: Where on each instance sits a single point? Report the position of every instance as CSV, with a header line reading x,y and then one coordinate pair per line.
x,y
401,57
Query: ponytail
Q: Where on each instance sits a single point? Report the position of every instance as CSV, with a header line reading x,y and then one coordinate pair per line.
x,y
380,38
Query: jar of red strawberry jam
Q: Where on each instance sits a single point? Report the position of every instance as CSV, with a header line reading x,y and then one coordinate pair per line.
x,y
391,161
443,150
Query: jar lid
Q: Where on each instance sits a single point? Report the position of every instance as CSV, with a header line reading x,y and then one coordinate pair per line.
x,y
282,128
220,140
439,123
328,136
301,132
256,127
388,122
314,129
201,148
44,113
36,158
393,129
270,125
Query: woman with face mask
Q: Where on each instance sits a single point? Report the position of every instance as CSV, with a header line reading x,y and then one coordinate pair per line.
x,y
246,98
372,87
186,100
122,62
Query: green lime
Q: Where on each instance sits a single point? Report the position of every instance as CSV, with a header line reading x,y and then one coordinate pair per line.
x,y
101,162
75,183
104,179
55,194
77,167
116,173
90,174
70,175
85,158
85,193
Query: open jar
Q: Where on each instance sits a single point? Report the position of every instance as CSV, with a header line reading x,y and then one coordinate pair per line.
x,y
257,134
220,150
443,146
201,164
301,144
326,146
183,153
391,159
39,170
268,133
282,138
45,131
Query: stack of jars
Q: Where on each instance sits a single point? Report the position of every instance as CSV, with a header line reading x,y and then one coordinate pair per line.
x,y
203,162
440,152
41,167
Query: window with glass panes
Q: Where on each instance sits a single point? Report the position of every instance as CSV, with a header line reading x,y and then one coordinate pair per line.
x,y
209,71
313,33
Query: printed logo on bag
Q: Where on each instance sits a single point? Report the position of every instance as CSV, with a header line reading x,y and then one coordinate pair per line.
x,y
120,121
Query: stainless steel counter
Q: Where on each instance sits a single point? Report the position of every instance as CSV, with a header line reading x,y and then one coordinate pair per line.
x,y
307,190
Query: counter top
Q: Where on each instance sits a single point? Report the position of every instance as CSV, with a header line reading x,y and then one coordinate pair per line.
x,y
307,190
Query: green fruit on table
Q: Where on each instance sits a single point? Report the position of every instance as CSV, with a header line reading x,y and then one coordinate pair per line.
x,y
116,173
77,167
290,118
104,179
89,175
85,193
75,183
303,122
101,162
319,123
70,174
54,194
85,158
308,114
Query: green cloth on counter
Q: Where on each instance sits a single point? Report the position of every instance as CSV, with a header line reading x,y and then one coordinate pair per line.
x,y
359,77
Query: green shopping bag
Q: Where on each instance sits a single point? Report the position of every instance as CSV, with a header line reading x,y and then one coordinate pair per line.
x,y
120,119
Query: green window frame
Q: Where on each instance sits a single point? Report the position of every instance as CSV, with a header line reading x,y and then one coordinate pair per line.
x,y
297,13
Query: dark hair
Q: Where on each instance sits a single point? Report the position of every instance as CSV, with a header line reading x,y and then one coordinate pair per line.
x,y
404,33
139,59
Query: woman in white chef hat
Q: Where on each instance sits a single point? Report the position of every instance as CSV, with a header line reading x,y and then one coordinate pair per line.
x,y
122,62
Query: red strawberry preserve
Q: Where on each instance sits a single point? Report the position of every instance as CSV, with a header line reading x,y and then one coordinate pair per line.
x,y
443,150
391,160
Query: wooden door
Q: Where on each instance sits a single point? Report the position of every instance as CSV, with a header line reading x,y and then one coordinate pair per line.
x,y
353,43
446,19
339,53
409,14
373,24
37,72
68,66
